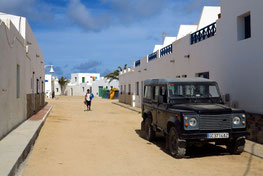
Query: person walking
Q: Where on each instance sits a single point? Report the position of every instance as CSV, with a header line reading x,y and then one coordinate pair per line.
x,y
88,98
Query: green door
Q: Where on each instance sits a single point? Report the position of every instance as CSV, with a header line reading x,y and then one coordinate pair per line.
x,y
83,79
100,91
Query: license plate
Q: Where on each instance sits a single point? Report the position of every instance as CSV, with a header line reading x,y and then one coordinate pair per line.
x,y
217,135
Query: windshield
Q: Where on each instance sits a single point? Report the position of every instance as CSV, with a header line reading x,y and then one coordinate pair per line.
x,y
193,90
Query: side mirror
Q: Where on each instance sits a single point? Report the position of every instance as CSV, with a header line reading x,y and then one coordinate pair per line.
x,y
160,99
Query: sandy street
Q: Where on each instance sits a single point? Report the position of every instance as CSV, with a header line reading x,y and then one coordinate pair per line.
x,y
106,142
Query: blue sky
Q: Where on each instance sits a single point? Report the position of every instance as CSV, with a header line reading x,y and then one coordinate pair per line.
x,y
100,35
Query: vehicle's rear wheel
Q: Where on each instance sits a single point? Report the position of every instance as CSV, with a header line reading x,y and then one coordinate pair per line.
x,y
177,147
236,146
149,132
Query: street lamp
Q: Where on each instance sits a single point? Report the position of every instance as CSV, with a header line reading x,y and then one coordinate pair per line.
x,y
51,68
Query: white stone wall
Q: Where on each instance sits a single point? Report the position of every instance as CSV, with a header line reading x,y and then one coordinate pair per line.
x,y
18,46
235,64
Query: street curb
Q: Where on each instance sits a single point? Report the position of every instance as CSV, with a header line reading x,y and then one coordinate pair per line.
x,y
252,150
27,148
126,107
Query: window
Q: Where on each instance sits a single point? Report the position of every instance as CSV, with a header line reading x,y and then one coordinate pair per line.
x,y
37,86
203,75
137,88
124,91
17,81
247,27
156,93
76,79
57,89
184,76
83,89
129,89
83,79
164,94
148,92
121,89
178,76
244,26
42,87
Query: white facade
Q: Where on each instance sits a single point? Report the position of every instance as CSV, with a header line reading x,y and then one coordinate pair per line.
x,y
234,62
57,87
48,85
78,78
21,72
81,82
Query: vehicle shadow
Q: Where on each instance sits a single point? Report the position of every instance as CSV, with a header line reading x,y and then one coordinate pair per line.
x,y
191,151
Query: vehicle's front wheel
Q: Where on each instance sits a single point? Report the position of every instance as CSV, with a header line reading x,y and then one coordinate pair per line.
x,y
149,132
176,146
236,146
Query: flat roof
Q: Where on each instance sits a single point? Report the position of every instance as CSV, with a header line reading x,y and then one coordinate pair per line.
x,y
165,81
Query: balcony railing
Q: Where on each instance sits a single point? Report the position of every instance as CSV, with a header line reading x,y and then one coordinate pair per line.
x,y
204,33
152,56
166,50
137,63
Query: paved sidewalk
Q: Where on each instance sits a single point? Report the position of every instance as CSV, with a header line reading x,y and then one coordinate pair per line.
x,y
251,147
17,144
127,106
254,148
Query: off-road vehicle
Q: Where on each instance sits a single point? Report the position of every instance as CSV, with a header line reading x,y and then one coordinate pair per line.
x,y
191,111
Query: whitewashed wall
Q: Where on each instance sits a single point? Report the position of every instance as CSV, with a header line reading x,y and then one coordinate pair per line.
x,y
18,46
235,65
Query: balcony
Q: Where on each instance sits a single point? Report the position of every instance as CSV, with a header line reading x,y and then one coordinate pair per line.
x,y
152,56
137,63
204,33
166,50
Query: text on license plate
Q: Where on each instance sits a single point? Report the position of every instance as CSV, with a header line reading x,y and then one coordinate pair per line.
x,y
217,135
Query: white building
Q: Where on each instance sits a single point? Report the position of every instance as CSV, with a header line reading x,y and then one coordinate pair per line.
x,y
21,72
225,46
81,82
57,87
78,78
49,86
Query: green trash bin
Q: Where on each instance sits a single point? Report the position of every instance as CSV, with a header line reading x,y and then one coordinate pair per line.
x,y
104,93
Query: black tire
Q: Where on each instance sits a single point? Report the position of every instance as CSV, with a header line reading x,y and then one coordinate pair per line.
x,y
149,132
177,147
236,147
143,126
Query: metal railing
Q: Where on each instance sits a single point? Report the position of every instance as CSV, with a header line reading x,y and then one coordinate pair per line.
x,y
137,63
204,33
152,56
166,50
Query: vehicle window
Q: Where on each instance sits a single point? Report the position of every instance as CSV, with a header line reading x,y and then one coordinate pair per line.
x,y
156,92
193,90
148,92
164,94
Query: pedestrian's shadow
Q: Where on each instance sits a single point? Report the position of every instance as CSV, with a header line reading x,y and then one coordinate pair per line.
x,y
191,151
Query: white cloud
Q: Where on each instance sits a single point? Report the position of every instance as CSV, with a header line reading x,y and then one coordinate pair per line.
x,y
32,9
120,12
82,16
